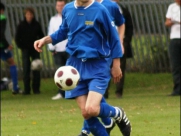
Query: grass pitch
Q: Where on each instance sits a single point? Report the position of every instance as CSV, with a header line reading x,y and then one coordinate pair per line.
x,y
145,100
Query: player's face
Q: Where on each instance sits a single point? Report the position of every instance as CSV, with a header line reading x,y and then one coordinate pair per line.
x,y
59,6
83,2
29,16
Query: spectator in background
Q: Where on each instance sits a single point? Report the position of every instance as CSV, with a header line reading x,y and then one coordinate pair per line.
x,y
28,31
173,21
127,47
5,49
58,51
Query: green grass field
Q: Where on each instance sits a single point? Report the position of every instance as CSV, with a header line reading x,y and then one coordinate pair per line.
x,y
145,100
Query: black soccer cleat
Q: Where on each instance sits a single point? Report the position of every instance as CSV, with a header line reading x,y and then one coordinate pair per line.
x,y
83,133
109,128
123,123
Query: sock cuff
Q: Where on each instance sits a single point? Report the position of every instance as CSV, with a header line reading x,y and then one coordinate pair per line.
x,y
117,112
109,126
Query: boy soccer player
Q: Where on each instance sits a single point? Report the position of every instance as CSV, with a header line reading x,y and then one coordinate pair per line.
x,y
5,50
118,18
91,39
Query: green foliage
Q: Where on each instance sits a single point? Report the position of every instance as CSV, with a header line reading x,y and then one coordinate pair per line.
x,y
150,54
145,100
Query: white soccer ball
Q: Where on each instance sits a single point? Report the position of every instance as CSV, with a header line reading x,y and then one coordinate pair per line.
x,y
37,64
66,78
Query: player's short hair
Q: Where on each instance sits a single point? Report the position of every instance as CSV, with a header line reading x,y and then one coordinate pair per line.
x,y
2,7
29,9
61,1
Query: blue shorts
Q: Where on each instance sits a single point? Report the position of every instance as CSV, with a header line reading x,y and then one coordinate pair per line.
x,y
94,76
5,54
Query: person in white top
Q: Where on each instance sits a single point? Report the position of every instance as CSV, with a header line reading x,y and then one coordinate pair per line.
x,y
58,51
173,21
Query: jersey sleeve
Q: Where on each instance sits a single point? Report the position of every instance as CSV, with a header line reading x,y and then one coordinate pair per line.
x,y
119,18
112,34
61,33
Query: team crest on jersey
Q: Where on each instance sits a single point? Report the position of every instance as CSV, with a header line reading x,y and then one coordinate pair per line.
x,y
89,23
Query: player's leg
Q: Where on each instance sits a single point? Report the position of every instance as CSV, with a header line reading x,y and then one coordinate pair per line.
x,y
107,122
106,110
119,115
7,56
14,75
93,123
98,86
85,129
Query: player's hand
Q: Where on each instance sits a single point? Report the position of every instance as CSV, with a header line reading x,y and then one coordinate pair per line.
x,y
116,74
39,44
116,70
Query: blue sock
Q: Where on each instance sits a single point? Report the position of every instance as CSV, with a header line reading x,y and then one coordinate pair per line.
x,y
14,76
105,120
107,111
96,128
85,127
103,100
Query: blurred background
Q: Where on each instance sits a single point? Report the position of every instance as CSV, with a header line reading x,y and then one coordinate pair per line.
x,y
150,40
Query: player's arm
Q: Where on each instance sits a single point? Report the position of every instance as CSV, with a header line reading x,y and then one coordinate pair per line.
x,y
41,42
116,71
120,23
115,45
112,35
121,32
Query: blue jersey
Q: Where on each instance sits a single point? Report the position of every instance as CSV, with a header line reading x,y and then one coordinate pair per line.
x,y
115,12
90,32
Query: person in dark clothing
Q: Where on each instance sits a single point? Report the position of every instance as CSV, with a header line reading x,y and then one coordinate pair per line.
x,y
5,50
127,49
28,31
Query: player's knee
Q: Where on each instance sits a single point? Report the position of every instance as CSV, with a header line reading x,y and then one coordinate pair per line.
x,y
92,110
